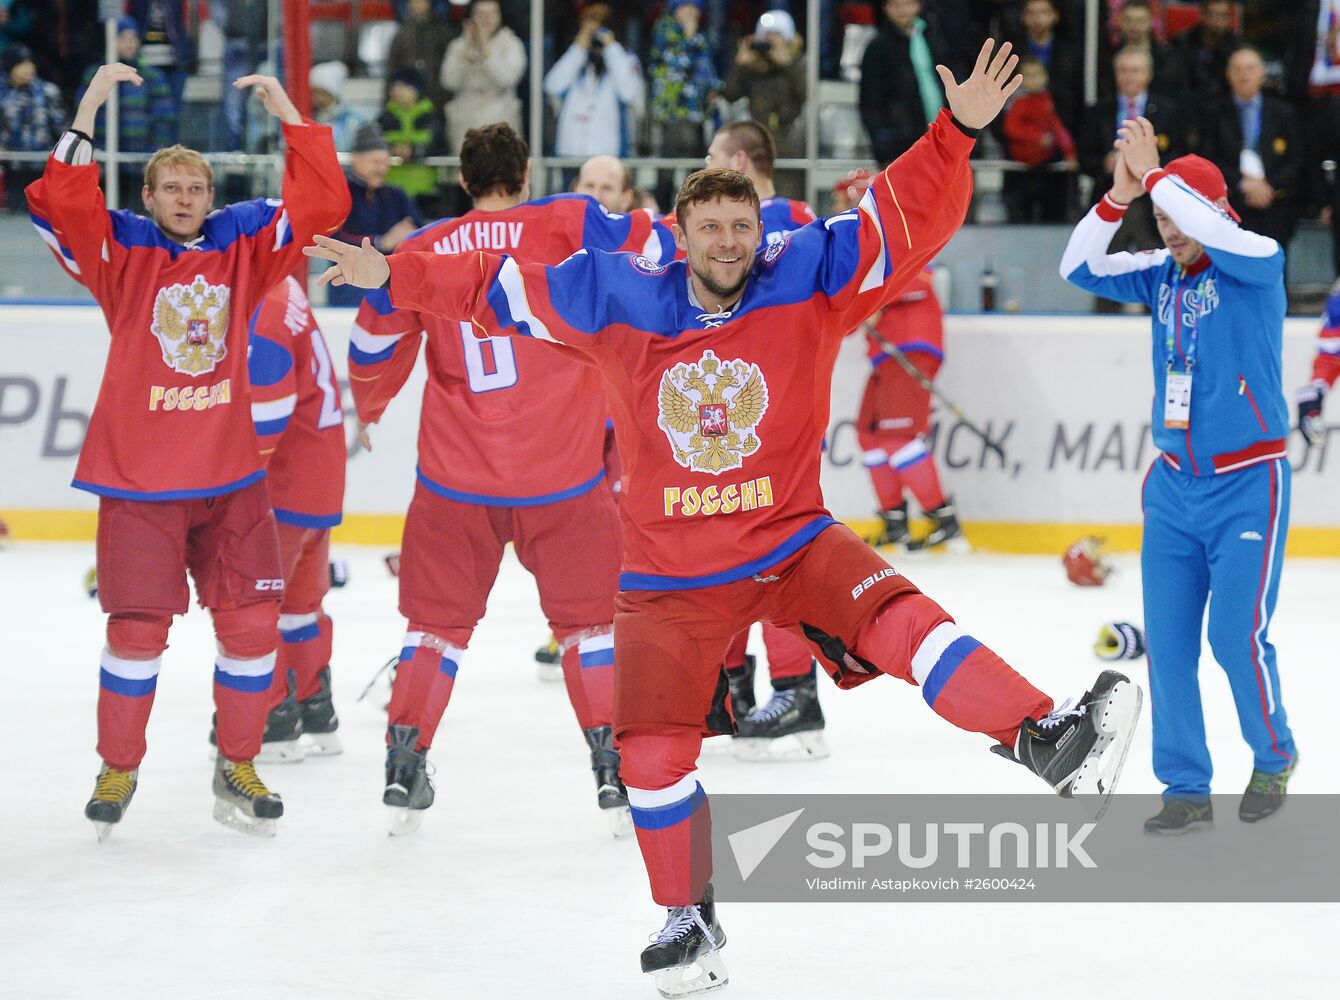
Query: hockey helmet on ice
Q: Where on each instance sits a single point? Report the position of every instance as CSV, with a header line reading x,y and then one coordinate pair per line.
x,y
1085,563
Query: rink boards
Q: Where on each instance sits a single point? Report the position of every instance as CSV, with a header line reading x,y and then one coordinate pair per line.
x,y
1066,397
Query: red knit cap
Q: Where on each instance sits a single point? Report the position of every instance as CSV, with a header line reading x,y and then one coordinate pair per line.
x,y
1204,177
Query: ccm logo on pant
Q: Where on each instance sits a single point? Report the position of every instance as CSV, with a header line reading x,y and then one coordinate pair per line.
x,y
870,581
269,584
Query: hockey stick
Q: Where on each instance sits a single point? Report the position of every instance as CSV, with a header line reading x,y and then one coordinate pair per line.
x,y
893,351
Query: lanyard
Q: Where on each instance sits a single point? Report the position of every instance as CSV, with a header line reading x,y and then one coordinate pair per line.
x,y
1170,336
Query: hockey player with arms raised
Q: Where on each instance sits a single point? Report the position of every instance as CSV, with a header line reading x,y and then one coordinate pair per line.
x,y
718,370
511,448
170,449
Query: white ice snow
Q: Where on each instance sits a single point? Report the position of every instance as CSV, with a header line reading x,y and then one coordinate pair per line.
x,y
513,887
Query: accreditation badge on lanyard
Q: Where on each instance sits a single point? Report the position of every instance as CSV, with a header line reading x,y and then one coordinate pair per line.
x,y
1177,401
1177,390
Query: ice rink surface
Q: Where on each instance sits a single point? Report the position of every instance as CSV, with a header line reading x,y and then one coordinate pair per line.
x,y
513,886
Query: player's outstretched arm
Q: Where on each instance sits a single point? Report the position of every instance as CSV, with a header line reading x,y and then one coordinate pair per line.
x,y
273,96
99,90
1122,277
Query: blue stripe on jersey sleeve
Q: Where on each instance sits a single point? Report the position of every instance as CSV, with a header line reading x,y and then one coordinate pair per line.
x,y
380,301
266,428
359,357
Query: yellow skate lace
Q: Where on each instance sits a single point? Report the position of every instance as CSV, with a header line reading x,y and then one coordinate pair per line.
x,y
244,778
114,785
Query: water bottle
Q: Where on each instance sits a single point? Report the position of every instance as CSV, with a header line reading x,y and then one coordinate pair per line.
x,y
988,283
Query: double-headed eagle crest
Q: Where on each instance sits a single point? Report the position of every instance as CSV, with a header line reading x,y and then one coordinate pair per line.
x,y
191,324
709,410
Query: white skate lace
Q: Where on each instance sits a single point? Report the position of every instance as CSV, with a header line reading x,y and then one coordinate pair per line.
x,y
776,707
1059,715
677,923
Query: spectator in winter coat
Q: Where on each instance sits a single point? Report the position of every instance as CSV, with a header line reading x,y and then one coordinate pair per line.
x,y
900,93
420,45
327,81
482,69
410,124
381,211
769,70
1036,137
683,80
165,43
596,81
31,118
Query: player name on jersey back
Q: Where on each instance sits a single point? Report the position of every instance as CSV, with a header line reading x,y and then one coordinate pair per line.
x,y
481,235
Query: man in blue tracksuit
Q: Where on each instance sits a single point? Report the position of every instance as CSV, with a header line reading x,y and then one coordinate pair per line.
x,y
1216,500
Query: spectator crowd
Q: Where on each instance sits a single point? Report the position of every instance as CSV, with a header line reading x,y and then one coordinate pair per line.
x,y
1253,85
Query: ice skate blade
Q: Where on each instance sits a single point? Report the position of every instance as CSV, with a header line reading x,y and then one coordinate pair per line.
x,y
1114,719
704,974
281,752
809,745
103,829
322,744
234,818
549,672
402,821
620,820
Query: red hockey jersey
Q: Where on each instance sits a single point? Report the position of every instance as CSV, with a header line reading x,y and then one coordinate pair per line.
x,y
914,323
295,405
172,419
1326,365
504,422
719,416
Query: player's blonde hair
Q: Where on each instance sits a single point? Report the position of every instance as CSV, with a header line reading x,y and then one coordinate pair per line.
x,y
177,156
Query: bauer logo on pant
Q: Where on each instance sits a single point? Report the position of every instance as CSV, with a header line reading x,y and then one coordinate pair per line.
x,y
191,324
709,411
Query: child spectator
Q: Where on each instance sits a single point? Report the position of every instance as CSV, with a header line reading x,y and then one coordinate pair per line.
x,y
421,44
683,80
327,81
409,122
31,118
1036,137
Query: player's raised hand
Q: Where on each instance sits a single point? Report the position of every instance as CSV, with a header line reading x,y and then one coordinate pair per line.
x,y
1138,145
272,95
979,98
106,79
360,266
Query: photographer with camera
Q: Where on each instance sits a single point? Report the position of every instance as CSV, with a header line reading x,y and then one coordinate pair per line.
x,y
769,71
595,82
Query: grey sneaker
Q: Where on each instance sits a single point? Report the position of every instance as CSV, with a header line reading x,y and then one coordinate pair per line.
x,y
1180,816
1265,793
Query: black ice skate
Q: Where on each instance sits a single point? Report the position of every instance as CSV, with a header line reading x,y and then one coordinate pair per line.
x,y
945,530
1265,793
894,530
610,793
408,789
685,956
283,727
1080,751
1179,816
111,799
741,682
549,658
789,727
241,800
319,721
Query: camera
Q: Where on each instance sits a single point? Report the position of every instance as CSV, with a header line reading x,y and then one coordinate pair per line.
x,y
761,45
